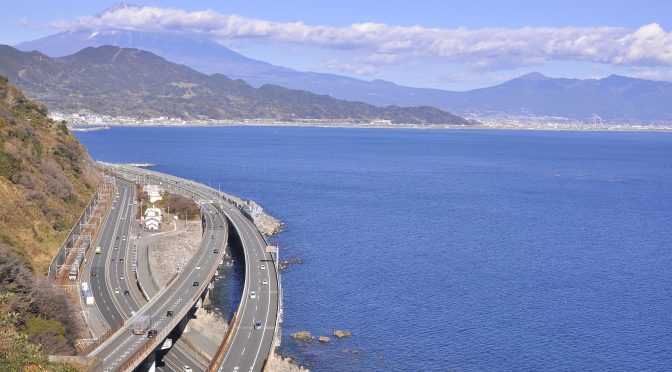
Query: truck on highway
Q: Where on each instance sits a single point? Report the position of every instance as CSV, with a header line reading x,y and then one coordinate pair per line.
x,y
89,298
85,287
141,324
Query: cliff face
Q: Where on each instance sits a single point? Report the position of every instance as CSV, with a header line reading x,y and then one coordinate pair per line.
x,y
46,178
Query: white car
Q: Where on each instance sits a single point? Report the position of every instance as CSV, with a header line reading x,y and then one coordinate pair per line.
x,y
186,369
263,267
264,282
253,294
116,290
121,278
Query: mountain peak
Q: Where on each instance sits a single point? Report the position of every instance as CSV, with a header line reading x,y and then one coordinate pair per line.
x,y
614,77
533,76
118,6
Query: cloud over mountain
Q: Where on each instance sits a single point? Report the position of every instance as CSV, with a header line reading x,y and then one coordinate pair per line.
x,y
487,48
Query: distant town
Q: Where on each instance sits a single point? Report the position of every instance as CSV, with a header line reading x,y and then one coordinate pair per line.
x,y
86,121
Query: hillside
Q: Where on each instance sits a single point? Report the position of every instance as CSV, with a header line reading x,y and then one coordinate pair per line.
x,y
46,180
131,82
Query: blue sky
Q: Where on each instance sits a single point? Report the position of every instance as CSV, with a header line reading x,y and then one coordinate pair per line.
x,y
442,44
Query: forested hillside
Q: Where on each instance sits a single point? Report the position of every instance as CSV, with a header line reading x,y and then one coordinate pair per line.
x,y
46,180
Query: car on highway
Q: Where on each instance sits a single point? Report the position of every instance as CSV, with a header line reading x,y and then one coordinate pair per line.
x,y
212,237
116,290
169,313
186,369
126,293
215,250
257,325
152,333
121,277
112,260
253,294
196,284
264,282
263,267
121,260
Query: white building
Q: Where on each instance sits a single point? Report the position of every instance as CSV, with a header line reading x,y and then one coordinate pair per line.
x,y
152,219
155,192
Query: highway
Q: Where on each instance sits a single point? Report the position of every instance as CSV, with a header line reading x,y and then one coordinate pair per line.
x,y
249,347
105,271
178,297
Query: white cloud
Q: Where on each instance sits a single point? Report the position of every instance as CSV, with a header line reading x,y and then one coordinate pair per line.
x,y
491,48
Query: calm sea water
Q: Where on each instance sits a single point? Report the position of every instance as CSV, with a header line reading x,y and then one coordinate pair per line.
x,y
451,250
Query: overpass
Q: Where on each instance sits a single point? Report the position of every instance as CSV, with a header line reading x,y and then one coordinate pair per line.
x,y
111,273
253,330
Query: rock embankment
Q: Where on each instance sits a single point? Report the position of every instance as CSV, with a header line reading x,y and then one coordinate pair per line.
x,y
278,363
170,251
290,261
267,224
209,324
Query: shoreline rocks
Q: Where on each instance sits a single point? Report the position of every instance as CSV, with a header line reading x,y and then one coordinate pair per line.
x,y
279,363
324,339
290,261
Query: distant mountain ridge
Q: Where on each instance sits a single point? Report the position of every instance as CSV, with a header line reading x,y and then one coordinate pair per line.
x,y
613,98
131,82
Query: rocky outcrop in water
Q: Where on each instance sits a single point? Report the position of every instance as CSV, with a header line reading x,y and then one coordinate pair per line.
x,y
302,336
341,334
323,339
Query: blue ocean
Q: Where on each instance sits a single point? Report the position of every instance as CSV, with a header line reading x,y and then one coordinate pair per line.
x,y
450,250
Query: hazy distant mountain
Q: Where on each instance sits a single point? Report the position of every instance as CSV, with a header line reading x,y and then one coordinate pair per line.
x,y
612,98
131,82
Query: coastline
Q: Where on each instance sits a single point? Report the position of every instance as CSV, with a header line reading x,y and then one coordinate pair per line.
x,y
541,128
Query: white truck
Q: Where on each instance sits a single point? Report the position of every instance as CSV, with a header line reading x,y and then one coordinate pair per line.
x,y
88,296
85,287
141,324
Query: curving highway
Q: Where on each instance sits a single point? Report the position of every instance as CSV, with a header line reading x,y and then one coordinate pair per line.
x,y
179,297
250,343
